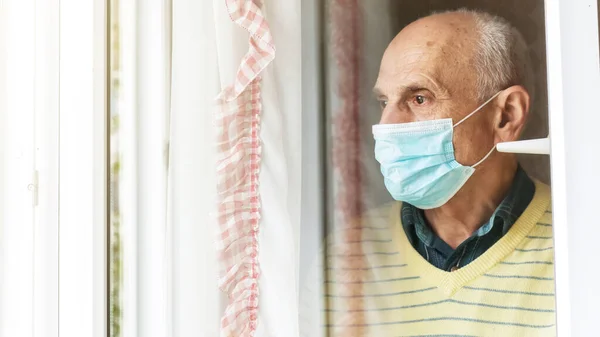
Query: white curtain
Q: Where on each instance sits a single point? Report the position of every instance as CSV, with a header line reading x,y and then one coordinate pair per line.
x,y
204,37
197,301
172,72
280,180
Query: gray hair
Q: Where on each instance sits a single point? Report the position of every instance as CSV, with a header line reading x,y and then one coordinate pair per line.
x,y
502,55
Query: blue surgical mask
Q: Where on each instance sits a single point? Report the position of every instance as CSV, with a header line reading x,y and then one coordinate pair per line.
x,y
417,161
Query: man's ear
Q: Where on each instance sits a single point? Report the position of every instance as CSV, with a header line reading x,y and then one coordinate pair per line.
x,y
513,104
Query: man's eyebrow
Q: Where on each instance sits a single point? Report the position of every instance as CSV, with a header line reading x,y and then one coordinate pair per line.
x,y
413,83
411,87
440,89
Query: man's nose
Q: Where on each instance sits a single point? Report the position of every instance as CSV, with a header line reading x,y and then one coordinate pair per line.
x,y
392,115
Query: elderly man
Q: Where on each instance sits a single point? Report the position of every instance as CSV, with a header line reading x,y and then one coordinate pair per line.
x,y
467,250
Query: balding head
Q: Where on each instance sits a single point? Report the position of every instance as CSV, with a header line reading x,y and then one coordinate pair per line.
x,y
445,66
483,44
501,55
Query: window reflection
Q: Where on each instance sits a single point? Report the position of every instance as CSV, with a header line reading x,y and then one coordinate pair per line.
x,y
455,257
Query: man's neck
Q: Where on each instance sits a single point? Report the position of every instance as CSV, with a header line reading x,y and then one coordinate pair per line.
x,y
472,206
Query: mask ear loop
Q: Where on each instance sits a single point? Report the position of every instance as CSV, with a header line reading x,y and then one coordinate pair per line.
x,y
471,114
486,157
477,110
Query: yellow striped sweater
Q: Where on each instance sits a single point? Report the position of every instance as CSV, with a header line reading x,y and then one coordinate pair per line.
x,y
377,284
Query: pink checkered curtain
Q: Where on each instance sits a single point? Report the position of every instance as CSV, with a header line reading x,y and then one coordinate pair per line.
x,y
258,165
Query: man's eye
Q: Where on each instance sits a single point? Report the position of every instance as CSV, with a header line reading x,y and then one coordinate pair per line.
x,y
419,99
383,104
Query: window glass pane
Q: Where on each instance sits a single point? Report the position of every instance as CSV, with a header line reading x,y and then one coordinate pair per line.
x,y
467,251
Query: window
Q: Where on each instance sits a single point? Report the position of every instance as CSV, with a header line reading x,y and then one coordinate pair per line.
x,y
541,24
107,182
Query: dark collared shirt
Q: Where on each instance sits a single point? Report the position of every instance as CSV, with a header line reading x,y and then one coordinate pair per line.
x,y
441,255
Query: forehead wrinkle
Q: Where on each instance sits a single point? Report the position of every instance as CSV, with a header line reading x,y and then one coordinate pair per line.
x,y
410,83
440,60
401,82
440,48
436,84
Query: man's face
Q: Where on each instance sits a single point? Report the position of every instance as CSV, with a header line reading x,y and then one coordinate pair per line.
x,y
426,73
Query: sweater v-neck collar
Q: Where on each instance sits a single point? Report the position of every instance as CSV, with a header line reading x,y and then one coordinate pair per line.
x,y
450,282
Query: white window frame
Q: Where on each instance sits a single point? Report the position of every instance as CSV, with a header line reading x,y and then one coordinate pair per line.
x,y
83,169
128,139
312,221
573,86
29,224
18,117
45,180
152,107
143,114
